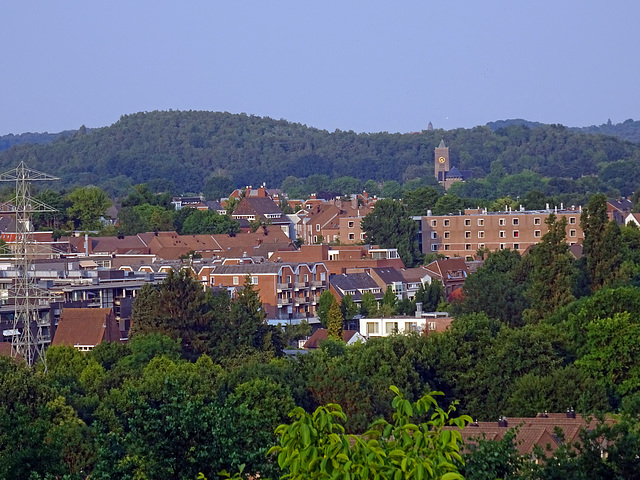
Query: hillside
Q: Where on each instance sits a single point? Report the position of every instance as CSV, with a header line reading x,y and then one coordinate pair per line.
x,y
179,150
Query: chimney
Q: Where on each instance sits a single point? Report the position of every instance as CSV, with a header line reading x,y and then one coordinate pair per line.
x,y
502,422
86,244
571,413
418,309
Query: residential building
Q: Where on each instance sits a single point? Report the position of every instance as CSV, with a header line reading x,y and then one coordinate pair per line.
x,y
422,323
265,210
287,290
451,272
84,328
350,337
462,235
355,284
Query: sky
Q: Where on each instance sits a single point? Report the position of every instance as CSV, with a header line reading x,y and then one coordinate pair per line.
x,y
375,66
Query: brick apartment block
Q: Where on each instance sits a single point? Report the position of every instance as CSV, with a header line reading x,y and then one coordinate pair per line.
x,y
287,290
463,235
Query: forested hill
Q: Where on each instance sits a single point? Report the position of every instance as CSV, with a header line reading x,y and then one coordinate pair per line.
x,y
181,149
627,130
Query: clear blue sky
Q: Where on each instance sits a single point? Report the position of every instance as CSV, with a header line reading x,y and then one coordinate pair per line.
x,y
364,66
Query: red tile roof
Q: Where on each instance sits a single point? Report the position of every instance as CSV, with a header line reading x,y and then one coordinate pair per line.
x,y
86,327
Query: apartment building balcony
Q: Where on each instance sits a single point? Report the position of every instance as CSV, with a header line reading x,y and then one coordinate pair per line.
x,y
283,286
300,285
301,301
284,301
315,284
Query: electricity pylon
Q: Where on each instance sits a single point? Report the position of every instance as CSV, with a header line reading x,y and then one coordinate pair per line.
x,y
30,333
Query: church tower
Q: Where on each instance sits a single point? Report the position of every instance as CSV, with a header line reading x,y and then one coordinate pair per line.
x,y
441,161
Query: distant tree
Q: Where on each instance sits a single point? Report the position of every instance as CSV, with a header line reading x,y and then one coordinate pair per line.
x,y
448,204
602,244
88,205
552,270
368,305
390,226
208,222
348,307
335,322
421,200
324,305
217,187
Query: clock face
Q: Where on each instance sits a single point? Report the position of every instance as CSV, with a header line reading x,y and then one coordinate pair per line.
x,y
441,160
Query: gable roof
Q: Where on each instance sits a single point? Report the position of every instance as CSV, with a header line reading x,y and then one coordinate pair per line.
x,y
258,206
86,327
321,335
447,268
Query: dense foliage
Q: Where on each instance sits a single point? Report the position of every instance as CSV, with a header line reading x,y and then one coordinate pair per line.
x,y
195,151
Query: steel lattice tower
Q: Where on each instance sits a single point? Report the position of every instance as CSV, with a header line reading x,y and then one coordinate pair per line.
x,y
31,339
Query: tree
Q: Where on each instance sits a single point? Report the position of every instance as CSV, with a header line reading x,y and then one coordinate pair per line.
x,y
421,200
551,272
448,204
348,307
415,446
390,226
209,222
334,322
497,288
602,244
88,205
368,305
389,298
324,305
612,352
179,309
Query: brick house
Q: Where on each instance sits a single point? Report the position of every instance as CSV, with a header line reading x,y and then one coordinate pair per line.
x,y
287,290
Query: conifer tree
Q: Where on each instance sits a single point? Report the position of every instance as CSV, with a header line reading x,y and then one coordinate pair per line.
x,y
552,271
334,322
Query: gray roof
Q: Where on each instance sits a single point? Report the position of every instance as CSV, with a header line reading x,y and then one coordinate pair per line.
x,y
389,275
442,145
354,281
454,173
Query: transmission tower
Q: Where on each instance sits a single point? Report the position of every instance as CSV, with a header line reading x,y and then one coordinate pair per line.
x,y
30,332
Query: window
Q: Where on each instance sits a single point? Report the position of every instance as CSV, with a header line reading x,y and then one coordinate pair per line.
x,y
481,222
445,222
350,224
516,234
467,222
503,246
254,280
315,239
434,247
572,233
434,235
501,221
352,236
447,234
516,221
306,278
323,277
481,234
431,326
391,327
362,236
572,220
236,281
447,246
467,246
467,234
536,233
480,245
536,221
372,328
288,278
516,246
468,258
502,234
434,223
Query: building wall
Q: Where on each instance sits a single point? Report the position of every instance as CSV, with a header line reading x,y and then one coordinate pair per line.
x,y
462,235
350,230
